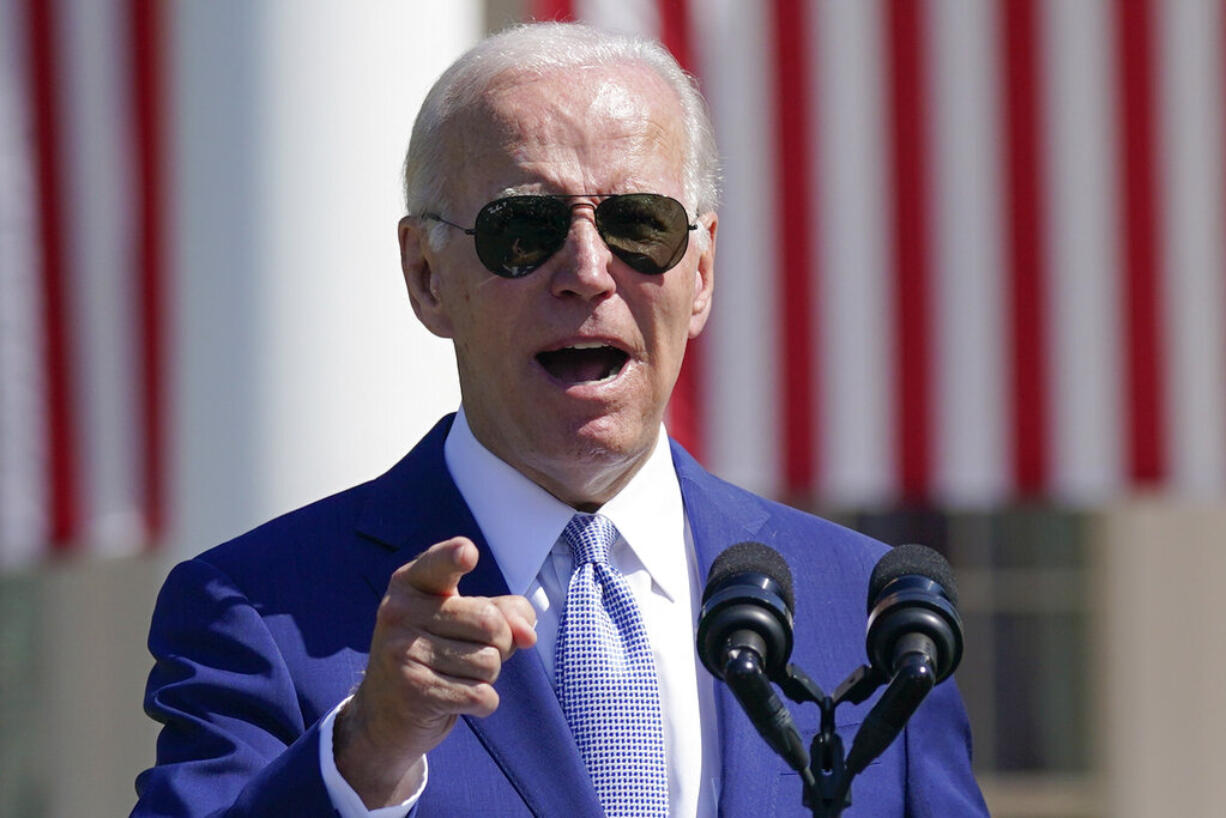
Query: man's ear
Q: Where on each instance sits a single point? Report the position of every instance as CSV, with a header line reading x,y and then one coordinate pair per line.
x,y
704,276
421,277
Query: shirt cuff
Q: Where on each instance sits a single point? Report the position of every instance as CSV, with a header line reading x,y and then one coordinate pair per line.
x,y
345,800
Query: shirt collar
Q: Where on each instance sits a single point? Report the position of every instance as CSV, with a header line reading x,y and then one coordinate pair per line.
x,y
521,521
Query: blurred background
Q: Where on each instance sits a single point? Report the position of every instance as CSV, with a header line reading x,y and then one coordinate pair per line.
x,y
971,288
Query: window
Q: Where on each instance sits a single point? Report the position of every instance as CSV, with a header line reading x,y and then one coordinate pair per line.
x,y
1023,585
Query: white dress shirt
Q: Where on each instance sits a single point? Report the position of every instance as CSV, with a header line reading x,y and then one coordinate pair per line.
x,y
523,524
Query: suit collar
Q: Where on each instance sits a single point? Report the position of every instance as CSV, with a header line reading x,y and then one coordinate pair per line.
x,y
393,513
416,504
719,513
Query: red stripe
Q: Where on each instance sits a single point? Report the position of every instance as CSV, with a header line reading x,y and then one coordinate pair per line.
x,y
685,422
1140,215
675,31
146,33
793,176
909,145
553,10
64,511
1024,176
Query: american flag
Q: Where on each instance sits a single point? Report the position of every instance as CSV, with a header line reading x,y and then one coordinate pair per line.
x,y
82,278
970,250
970,253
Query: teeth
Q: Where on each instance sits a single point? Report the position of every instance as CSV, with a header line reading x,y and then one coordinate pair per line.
x,y
592,345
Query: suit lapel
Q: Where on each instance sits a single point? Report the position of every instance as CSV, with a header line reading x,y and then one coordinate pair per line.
x,y
415,505
529,739
720,516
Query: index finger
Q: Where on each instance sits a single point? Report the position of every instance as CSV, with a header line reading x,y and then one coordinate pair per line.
x,y
438,569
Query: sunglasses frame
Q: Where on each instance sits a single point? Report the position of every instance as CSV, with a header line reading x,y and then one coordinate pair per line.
x,y
502,271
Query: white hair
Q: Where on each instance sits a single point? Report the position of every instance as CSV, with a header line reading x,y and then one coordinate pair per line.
x,y
539,48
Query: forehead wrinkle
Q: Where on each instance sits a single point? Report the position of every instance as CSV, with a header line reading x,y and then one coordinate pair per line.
x,y
628,116
624,96
538,133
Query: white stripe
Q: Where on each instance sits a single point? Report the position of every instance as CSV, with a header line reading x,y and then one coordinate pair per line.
x,y
742,345
23,465
1191,138
1079,93
627,16
100,264
971,389
854,324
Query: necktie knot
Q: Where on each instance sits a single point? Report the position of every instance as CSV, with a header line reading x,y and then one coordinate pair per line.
x,y
590,536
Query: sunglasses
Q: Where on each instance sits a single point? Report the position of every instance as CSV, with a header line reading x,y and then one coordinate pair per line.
x,y
517,234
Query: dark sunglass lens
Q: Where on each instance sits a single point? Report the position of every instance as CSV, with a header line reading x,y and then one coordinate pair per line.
x,y
648,231
518,234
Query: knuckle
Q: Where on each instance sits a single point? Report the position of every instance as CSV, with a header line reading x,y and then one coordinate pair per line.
x,y
488,663
417,676
389,612
397,612
402,655
403,576
481,700
489,619
528,611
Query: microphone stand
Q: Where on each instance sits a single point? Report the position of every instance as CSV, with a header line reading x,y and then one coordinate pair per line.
x,y
912,621
827,789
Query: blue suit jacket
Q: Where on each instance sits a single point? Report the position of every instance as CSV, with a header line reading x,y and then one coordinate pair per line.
x,y
256,640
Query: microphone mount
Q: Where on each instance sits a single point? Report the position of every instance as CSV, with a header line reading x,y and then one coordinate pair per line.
x,y
828,782
914,641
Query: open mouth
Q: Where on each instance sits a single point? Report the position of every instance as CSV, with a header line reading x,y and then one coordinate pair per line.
x,y
583,363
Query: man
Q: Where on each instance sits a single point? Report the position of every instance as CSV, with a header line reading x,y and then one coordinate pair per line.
x,y
525,583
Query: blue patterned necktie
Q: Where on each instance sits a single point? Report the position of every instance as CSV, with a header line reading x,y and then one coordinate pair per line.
x,y
606,678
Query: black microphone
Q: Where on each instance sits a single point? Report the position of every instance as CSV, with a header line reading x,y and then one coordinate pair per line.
x,y
914,639
747,605
913,607
745,639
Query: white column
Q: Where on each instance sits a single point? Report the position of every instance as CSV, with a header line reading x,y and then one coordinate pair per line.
x,y
300,368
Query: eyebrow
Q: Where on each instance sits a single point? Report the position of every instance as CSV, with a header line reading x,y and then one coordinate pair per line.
x,y
528,188
536,189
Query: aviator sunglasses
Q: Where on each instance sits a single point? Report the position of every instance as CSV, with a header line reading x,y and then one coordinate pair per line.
x,y
515,235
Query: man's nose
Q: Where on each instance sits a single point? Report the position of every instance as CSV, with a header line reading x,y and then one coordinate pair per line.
x,y
585,259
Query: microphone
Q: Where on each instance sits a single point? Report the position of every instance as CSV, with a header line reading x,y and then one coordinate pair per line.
x,y
912,608
747,605
745,639
914,639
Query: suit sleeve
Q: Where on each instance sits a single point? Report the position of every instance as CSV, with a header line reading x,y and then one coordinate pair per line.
x,y
233,741
940,782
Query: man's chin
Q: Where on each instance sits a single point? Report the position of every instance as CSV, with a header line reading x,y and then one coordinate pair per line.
x,y
609,439
592,466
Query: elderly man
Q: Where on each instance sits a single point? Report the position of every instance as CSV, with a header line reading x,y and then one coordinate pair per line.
x,y
512,606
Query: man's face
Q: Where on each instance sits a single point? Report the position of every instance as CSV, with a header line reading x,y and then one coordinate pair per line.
x,y
565,373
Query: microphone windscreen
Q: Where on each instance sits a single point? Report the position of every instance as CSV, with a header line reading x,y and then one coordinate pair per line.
x,y
751,557
911,560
